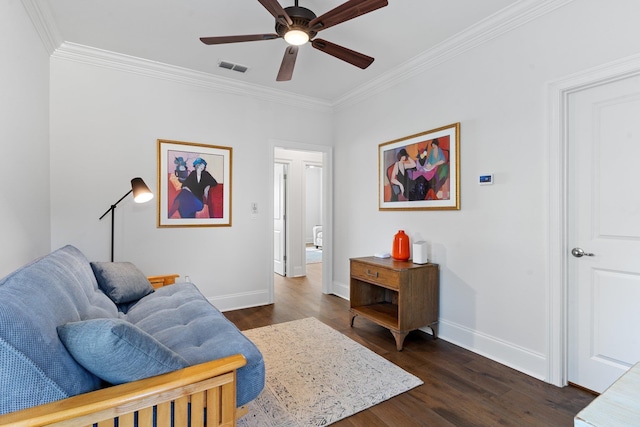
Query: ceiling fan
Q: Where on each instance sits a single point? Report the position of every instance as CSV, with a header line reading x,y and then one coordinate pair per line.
x,y
298,25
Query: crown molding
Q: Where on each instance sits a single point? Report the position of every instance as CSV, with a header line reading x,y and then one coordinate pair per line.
x,y
42,20
44,23
131,64
501,22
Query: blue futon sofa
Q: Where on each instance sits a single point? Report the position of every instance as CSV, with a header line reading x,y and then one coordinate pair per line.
x,y
69,327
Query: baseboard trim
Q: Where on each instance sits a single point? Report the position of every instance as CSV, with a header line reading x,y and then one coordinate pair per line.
x,y
508,354
240,301
340,289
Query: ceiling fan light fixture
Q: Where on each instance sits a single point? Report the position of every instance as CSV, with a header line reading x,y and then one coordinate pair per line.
x,y
298,25
296,37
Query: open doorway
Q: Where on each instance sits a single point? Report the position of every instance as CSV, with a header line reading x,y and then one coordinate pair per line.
x,y
297,223
307,187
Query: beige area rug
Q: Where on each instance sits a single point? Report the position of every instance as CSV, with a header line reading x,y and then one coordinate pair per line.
x,y
317,376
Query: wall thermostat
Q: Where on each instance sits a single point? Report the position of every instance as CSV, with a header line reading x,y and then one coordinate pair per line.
x,y
486,179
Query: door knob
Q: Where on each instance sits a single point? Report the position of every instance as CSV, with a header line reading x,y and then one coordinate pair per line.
x,y
578,253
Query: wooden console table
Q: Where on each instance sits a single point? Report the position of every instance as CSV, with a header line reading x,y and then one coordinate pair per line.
x,y
398,295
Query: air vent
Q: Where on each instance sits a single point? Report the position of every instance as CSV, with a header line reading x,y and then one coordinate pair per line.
x,y
231,66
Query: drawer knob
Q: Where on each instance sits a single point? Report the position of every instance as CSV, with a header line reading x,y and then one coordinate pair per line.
x,y
372,273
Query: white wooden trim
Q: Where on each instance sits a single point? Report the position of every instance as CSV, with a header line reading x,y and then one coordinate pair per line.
x,y
501,22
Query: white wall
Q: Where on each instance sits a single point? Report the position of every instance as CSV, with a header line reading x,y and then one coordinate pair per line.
x,y
313,175
103,132
24,127
493,252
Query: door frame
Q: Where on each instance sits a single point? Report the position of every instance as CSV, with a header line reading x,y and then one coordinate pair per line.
x,y
286,215
558,231
327,210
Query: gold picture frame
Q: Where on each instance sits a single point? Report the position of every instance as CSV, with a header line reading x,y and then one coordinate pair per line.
x,y
421,171
194,184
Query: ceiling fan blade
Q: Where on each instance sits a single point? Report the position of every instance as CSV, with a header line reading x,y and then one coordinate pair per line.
x,y
351,56
237,39
277,11
346,11
288,62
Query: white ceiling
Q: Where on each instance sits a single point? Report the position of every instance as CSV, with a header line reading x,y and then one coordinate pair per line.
x,y
168,31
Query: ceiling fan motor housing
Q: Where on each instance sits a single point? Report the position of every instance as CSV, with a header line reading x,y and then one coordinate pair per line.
x,y
301,17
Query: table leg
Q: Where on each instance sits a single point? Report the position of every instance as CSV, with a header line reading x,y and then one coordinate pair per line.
x,y
434,329
399,337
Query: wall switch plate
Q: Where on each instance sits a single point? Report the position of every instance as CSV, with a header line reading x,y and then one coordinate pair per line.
x,y
486,179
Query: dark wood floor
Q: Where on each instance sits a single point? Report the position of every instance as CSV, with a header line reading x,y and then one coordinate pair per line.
x,y
460,388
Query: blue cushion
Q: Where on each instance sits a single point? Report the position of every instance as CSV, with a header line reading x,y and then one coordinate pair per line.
x,y
181,318
117,351
121,281
22,383
35,299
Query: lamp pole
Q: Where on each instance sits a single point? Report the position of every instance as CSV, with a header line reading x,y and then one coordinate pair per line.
x,y
112,209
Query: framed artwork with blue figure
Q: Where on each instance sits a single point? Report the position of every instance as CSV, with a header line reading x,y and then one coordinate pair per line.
x,y
421,171
194,184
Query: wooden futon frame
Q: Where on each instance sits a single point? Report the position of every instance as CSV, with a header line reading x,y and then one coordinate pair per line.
x,y
200,393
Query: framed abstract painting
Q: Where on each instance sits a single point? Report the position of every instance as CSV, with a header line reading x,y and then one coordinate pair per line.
x,y
194,184
421,171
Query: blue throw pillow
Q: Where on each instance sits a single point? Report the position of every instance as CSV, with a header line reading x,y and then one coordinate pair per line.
x,y
117,351
121,281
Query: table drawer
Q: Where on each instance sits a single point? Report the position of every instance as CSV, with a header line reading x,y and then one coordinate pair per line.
x,y
375,274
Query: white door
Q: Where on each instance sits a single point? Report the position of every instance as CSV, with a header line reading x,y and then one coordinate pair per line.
x,y
279,218
604,222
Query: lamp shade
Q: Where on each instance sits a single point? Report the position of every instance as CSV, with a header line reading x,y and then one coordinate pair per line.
x,y
141,192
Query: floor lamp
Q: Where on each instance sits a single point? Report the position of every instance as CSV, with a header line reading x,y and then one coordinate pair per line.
x,y
141,194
